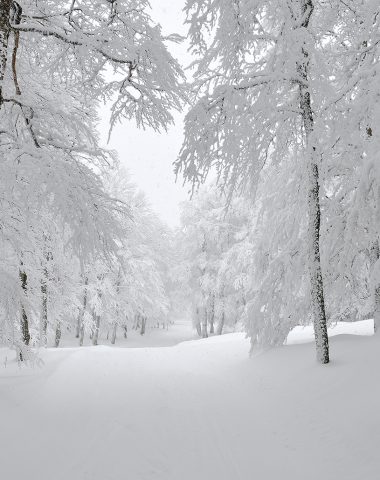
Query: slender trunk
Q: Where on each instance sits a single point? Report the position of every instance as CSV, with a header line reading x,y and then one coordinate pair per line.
x,y
212,330
204,323
81,321
143,325
376,314
212,314
24,317
113,334
58,335
221,325
314,209
44,312
95,335
198,323
77,328
117,312
125,328
5,10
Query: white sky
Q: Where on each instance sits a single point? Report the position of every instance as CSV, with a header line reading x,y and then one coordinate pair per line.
x,y
149,156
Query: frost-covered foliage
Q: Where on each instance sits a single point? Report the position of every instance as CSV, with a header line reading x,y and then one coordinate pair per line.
x,y
285,103
123,288
215,291
352,165
57,61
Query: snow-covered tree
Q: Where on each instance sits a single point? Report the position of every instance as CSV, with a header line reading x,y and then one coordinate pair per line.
x,y
352,227
260,83
57,61
208,233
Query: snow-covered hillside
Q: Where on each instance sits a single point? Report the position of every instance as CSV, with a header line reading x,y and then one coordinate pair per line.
x,y
200,410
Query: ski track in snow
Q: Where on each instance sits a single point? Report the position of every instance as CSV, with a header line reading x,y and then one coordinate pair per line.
x,y
198,410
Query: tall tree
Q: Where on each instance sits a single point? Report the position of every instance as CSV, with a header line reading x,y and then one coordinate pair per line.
x,y
57,61
259,76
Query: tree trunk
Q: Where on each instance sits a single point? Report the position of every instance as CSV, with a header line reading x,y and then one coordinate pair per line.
x,y
44,312
314,210
5,10
204,323
143,325
212,315
220,325
95,336
81,333
125,328
117,312
77,328
198,323
376,313
24,317
113,334
58,335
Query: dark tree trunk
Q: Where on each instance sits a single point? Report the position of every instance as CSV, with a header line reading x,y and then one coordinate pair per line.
x,y
44,313
77,328
315,270
117,312
81,321
143,325
24,317
58,335
5,30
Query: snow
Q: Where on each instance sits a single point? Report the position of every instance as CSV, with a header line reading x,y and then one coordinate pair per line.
x,y
198,410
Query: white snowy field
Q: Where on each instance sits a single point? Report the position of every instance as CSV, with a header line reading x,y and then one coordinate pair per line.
x,y
199,410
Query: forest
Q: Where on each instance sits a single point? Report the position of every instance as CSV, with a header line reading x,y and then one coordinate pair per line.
x,y
279,234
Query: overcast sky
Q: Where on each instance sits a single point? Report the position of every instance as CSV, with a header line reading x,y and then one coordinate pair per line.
x,y
147,155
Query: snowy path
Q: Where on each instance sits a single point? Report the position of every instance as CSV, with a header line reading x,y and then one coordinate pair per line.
x,y
200,410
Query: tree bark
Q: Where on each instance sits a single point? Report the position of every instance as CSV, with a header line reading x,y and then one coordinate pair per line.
x,y
113,334
204,323
376,313
212,314
24,317
143,325
314,209
58,335
5,30
95,336
117,312
81,333
221,325
198,322
77,329
44,313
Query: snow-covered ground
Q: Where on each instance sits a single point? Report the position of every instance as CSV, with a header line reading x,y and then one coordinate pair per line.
x,y
199,410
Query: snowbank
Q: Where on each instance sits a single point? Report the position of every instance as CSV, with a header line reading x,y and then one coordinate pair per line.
x,y
201,410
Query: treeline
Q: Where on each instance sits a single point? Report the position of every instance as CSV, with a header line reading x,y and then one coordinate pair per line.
x,y
79,247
